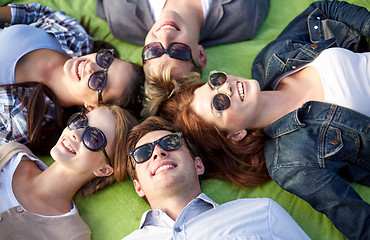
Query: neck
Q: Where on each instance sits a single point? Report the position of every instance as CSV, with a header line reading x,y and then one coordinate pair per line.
x,y
172,202
275,104
48,192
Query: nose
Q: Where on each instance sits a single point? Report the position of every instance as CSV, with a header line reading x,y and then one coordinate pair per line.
x,y
91,67
76,134
158,153
227,88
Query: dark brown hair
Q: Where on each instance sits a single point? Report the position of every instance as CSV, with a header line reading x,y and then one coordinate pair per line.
x,y
38,101
241,162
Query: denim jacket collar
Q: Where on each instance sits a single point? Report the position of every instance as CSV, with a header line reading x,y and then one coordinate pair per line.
x,y
284,125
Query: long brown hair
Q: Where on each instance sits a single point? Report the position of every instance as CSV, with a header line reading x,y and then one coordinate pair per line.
x,y
241,162
125,121
38,101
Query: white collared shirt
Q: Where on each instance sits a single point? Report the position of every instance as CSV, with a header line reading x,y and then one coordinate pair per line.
x,y
255,218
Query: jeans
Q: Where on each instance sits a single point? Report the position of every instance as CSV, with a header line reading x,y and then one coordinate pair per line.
x,y
313,151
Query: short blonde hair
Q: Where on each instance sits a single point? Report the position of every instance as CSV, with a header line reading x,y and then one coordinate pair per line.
x,y
160,86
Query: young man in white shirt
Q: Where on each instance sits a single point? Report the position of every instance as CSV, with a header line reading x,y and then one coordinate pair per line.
x,y
165,170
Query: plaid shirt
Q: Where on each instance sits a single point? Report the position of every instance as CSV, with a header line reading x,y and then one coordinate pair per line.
x,y
71,35
13,125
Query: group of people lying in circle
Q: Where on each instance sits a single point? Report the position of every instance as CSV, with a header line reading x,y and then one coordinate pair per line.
x,y
303,120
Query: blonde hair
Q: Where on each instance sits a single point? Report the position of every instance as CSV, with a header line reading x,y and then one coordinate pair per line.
x,y
125,121
160,85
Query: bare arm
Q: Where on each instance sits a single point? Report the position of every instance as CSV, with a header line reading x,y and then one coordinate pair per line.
x,y
5,14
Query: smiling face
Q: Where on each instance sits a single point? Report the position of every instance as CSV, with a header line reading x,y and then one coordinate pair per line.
x,y
70,151
244,96
172,27
166,172
78,71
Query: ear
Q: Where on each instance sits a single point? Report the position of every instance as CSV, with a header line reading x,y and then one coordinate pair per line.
x,y
104,171
90,107
202,56
138,188
238,136
199,166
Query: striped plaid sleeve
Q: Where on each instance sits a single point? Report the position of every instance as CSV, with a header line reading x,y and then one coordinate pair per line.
x,y
13,126
72,36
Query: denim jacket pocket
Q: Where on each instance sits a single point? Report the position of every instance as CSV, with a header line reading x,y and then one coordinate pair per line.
x,y
339,145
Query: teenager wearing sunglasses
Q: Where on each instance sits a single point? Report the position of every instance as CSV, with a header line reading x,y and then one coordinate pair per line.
x,y
176,33
36,200
165,170
50,59
309,124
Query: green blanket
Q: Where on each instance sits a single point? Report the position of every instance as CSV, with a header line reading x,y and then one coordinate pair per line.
x,y
116,211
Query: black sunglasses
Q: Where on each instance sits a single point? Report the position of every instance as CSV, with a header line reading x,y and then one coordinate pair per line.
x,y
92,138
98,79
220,101
144,152
175,50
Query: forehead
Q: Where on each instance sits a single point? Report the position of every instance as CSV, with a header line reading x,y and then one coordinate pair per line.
x,y
152,136
103,119
120,75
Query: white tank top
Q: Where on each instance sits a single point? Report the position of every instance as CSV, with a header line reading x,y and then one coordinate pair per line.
x,y
345,77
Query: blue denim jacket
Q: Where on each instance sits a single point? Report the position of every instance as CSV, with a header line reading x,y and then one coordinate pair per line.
x,y
322,25
311,150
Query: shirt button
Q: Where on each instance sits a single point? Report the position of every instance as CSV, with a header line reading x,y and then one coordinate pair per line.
x,y
177,229
334,142
318,18
294,67
157,213
316,27
19,209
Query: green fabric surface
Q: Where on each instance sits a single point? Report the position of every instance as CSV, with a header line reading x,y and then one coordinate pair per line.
x,y
116,211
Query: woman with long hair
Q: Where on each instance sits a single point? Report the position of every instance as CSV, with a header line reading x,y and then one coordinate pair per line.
x,y
311,124
36,200
50,61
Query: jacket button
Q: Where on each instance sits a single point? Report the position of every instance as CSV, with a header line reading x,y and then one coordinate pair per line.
x,y
19,209
315,27
334,142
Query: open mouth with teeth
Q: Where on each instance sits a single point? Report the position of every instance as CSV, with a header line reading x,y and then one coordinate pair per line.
x,y
241,91
163,168
68,146
169,25
79,69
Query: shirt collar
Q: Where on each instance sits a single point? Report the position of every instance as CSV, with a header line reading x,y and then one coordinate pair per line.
x,y
195,207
